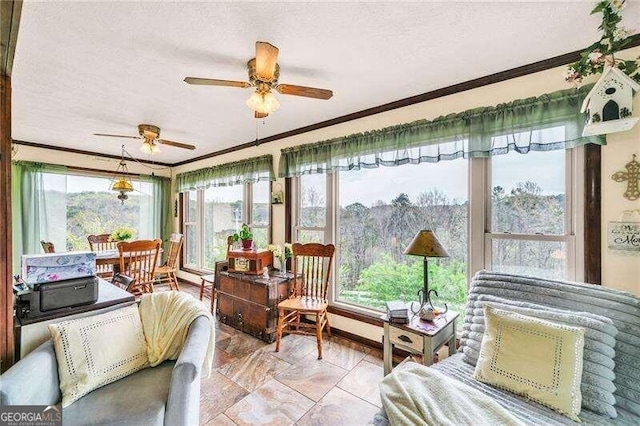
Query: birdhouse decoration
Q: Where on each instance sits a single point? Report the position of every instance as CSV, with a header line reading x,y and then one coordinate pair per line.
x,y
609,104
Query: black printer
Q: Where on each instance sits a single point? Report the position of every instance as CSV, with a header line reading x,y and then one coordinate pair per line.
x,y
48,298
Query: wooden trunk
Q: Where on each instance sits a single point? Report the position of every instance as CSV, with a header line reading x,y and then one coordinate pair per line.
x,y
249,261
250,303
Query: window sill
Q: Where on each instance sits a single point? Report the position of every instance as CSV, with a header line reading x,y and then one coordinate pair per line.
x,y
193,271
369,318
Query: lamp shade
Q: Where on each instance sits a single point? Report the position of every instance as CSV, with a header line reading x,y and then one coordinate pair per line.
x,y
426,244
122,185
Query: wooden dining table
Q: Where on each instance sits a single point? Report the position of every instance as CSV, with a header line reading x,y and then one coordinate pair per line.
x,y
112,257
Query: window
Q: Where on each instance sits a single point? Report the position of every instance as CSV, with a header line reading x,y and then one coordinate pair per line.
x,y
371,215
223,214
378,212
313,218
212,214
78,205
530,226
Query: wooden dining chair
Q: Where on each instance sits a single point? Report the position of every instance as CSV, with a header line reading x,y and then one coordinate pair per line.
x,y
311,271
48,246
102,243
98,243
138,260
166,273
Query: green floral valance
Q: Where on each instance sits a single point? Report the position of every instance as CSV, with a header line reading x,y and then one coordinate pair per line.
x,y
551,121
251,170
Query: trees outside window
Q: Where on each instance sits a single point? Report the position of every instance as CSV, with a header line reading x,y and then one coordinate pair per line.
x,y
78,205
380,211
214,213
528,214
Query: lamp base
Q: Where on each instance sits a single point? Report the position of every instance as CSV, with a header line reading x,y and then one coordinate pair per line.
x,y
425,303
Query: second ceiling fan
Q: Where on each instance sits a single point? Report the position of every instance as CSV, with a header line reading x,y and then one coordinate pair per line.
x,y
263,75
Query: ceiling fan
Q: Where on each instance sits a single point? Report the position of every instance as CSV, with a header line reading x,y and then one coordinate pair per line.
x,y
150,136
263,75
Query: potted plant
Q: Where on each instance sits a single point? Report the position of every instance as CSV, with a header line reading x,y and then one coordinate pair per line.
x,y
123,233
245,236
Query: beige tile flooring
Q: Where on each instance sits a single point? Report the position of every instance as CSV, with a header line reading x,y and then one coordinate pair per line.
x,y
253,385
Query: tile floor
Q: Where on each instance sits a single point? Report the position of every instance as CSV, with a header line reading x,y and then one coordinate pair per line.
x,y
253,385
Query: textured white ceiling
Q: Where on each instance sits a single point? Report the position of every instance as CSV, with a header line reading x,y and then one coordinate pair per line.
x,y
104,67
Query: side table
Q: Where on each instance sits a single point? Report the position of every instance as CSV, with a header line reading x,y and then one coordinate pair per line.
x,y
419,337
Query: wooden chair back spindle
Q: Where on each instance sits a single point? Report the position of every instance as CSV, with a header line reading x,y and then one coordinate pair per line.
x,y
101,243
138,260
312,269
47,246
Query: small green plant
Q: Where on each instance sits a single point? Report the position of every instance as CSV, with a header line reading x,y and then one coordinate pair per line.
x,y
243,234
123,233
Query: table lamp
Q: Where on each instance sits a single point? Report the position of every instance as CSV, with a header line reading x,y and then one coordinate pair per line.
x,y
426,244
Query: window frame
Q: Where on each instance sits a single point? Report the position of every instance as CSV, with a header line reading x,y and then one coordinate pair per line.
x,y
573,228
329,222
247,213
479,235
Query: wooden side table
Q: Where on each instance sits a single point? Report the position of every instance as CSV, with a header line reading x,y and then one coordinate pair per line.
x,y
419,337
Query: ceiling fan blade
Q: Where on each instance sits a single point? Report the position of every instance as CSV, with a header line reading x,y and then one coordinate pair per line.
x,y
116,136
176,144
308,92
260,115
266,58
215,82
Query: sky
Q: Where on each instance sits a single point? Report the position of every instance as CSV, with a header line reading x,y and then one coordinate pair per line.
x,y
450,177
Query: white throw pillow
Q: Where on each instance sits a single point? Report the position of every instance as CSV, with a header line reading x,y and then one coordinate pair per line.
x,y
538,359
97,350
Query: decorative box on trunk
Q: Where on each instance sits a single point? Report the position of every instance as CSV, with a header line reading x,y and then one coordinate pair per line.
x,y
250,302
51,267
249,261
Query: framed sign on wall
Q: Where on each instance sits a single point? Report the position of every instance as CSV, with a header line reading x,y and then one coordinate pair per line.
x,y
624,236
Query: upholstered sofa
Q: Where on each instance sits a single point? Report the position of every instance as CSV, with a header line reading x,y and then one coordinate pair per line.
x,y
168,394
623,309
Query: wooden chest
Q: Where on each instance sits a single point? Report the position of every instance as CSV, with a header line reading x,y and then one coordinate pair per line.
x,y
249,261
250,303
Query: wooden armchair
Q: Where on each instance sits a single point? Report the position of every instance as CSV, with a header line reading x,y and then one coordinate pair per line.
x,y
311,271
101,243
47,246
166,273
138,260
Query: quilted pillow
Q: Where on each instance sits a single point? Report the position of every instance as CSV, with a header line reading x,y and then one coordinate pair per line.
x,y
599,340
537,359
97,350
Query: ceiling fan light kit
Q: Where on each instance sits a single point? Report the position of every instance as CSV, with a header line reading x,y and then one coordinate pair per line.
x,y
148,147
263,102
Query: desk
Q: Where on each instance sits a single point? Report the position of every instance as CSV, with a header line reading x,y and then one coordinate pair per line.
x,y
419,337
29,333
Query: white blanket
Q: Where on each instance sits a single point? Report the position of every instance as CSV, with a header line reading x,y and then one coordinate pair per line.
x,y
166,318
419,395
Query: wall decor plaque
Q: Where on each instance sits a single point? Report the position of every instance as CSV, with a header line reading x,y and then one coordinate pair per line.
x,y
624,236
